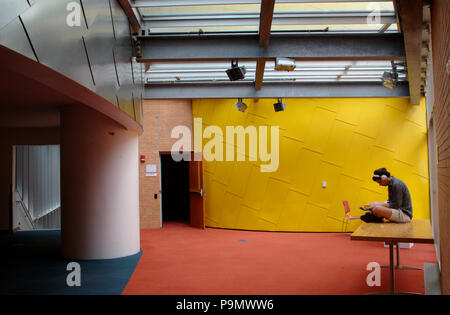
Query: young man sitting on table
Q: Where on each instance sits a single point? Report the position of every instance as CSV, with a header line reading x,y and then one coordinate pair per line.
x,y
399,206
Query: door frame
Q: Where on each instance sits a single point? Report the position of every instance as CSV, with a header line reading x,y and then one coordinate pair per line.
x,y
161,192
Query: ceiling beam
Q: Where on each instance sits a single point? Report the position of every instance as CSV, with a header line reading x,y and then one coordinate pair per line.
x,y
259,75
410,16
300,47
253,19
166,3
265,25
132,18
265,22
271,90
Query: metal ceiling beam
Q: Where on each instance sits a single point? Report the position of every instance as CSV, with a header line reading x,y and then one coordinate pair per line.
x,y
300,47
241,19
166,3
271,90
132,18
410,16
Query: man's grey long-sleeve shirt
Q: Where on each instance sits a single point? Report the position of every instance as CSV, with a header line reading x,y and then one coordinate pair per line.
x,y
399,197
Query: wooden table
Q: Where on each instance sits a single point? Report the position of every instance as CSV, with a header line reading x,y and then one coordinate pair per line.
x,y
416,231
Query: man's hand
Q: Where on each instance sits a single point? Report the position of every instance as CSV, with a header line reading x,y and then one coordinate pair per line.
x,y
373,204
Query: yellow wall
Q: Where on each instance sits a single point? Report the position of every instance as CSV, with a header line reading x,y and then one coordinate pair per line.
x,y
340,141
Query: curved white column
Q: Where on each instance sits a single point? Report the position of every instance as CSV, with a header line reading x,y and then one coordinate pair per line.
x,y
99,186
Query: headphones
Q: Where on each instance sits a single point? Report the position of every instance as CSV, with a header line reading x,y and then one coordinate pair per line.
x,y
377,177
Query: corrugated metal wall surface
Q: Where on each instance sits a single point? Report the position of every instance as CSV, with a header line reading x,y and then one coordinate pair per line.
x,y
38,183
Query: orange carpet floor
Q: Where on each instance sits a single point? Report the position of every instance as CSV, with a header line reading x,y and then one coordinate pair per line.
x,y
181,260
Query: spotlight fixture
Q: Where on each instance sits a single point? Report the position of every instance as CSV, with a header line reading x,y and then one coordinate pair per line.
x,y
240,105
279,106
390,78
284,64
235,72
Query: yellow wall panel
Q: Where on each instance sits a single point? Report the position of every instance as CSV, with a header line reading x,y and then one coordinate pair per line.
x,y
349,110
415,114
360,152
336,151
316,138
330,175
414,152
370,117
296,119
289,155
347,188
276,191
292,211
256,188
215,193
315,219
330,104
230,213
240,176
305,170
223,171
261,108
337,140
389,134
247,219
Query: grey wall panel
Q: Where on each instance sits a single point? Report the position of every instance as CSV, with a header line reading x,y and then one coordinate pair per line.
x,y
100,41
122,56
125,96
96,53
10,9
57,44
126,82
32,2
120,20
138,88
14,37
95,10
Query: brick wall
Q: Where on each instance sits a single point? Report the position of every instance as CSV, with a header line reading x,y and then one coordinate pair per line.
x,y
441,53
160,116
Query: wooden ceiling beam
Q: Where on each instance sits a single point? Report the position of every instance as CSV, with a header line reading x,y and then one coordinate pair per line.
x,y
410,16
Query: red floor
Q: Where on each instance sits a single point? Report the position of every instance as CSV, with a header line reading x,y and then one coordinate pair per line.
x,y
181,260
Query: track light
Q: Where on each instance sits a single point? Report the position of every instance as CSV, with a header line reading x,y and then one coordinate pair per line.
x,y
235,72
240,105
279,106
389,80
284,64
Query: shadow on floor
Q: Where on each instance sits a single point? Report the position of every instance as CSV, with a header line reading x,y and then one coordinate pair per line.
x,y
32,264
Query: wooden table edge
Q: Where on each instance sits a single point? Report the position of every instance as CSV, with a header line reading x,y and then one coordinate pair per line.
x,y
391,240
